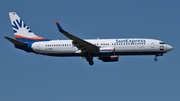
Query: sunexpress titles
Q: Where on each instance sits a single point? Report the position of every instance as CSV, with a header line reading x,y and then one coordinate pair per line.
x,y
130,41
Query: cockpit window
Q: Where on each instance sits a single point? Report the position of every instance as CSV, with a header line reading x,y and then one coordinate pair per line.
x,y
162,43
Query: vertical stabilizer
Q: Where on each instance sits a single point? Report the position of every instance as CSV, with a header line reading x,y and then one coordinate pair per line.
x,y
21,30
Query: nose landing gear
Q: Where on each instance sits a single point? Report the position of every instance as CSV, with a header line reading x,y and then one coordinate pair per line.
x,y
155,58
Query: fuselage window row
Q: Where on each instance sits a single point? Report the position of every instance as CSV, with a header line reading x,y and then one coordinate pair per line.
x,y
59,45
102,44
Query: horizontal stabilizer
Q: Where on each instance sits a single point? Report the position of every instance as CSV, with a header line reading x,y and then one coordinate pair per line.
x,y
15,42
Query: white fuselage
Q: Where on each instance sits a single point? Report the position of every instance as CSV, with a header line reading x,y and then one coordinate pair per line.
x,y
128,46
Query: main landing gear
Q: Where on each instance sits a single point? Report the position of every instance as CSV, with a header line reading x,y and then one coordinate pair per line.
x,y
90,60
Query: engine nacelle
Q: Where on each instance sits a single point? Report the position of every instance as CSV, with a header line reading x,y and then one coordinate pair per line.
x,y
112,58
107,51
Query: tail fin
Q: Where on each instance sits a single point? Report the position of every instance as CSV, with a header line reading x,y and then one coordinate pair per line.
x,y
21,30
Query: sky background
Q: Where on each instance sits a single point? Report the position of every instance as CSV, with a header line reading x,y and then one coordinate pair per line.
x,y
30,77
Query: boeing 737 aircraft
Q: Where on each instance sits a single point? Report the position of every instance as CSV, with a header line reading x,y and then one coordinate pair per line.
x,y
107,50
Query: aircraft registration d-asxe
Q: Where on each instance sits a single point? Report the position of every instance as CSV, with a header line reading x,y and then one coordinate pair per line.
x,y
107,50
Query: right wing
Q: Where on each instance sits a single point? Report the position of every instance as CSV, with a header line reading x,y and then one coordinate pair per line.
x,y
84,46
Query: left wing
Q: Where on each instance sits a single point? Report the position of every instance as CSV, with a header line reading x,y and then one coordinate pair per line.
x,y
81,44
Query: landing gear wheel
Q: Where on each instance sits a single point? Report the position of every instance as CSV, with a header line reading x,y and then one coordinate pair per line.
x,y
91,63
155,59
89,58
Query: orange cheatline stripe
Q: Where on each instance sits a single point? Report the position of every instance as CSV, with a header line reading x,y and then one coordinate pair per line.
x,y
34,38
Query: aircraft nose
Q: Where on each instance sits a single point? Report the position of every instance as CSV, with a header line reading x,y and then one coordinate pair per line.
x,y
169,48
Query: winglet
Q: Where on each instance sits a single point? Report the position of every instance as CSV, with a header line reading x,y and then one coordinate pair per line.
x,y
59,27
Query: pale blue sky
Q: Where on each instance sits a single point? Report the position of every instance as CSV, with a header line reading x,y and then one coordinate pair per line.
x,y
30,77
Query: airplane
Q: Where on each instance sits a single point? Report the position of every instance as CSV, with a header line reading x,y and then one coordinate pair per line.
x,y
106,50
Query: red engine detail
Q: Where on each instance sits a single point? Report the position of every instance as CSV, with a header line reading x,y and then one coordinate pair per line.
x,y
112,58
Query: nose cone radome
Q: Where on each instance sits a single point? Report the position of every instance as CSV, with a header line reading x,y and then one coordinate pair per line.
x,y
169,48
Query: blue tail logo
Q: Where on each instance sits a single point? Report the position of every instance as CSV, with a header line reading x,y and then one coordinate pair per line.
x,y
17,24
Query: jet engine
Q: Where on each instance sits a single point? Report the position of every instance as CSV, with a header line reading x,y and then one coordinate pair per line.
x,y
112,58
